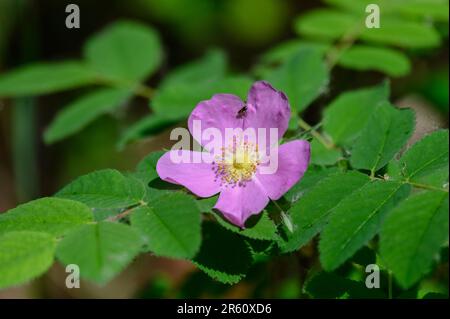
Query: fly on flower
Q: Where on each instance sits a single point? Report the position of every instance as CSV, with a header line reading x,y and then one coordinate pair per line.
x,y
241,158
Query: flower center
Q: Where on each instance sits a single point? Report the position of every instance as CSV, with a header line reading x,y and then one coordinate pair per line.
x,y
237,164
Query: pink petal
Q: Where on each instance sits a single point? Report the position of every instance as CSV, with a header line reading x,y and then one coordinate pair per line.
x,y
239,203
293,160
199,178
220,112
267,108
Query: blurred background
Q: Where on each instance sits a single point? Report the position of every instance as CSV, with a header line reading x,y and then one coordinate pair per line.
x,y
34,30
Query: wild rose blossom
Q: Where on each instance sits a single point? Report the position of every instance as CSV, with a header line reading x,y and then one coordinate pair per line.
x,y
238,174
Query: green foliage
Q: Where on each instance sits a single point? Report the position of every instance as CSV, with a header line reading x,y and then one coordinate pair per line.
x,y
347,115
43,78
223,255
332,286
100,250
311,213
55,216
413,234
321,155
145,127
105,189
426,161
356,220
302,78
388,129
177,100
355,188
124,51
171,225
364,58
81,112
24,255
259,227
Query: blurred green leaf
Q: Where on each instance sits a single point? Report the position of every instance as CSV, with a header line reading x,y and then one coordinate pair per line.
x,y
125,50
387,131
327,24
310,214
363,58
178,100
83,111
348,114
356,220
413,234
44,78
302,78
106,188
55,216
223,255
24,255
145,127
209,68
100,250
435,9
402,33
171,225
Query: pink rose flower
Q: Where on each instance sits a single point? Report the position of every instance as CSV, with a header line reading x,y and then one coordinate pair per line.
x,y
238,174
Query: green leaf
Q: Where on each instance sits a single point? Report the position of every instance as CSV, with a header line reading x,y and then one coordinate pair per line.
x,y
104,189
386,133
55,216
356,220
44,78
413,234
178,100
145,127
425,9
283,52
302,78
289,48
312,176
310,214
327,24
171,225
427,160
348,114
332,286
402,33
209,68
24,255
364,58
223,255
321,155
100,250
146,168
83,111
259,227
124,50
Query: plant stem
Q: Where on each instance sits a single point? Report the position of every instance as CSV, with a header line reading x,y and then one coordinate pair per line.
x,y
315,133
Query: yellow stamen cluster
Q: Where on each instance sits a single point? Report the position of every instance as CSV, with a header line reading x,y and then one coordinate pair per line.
x,y
237,163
